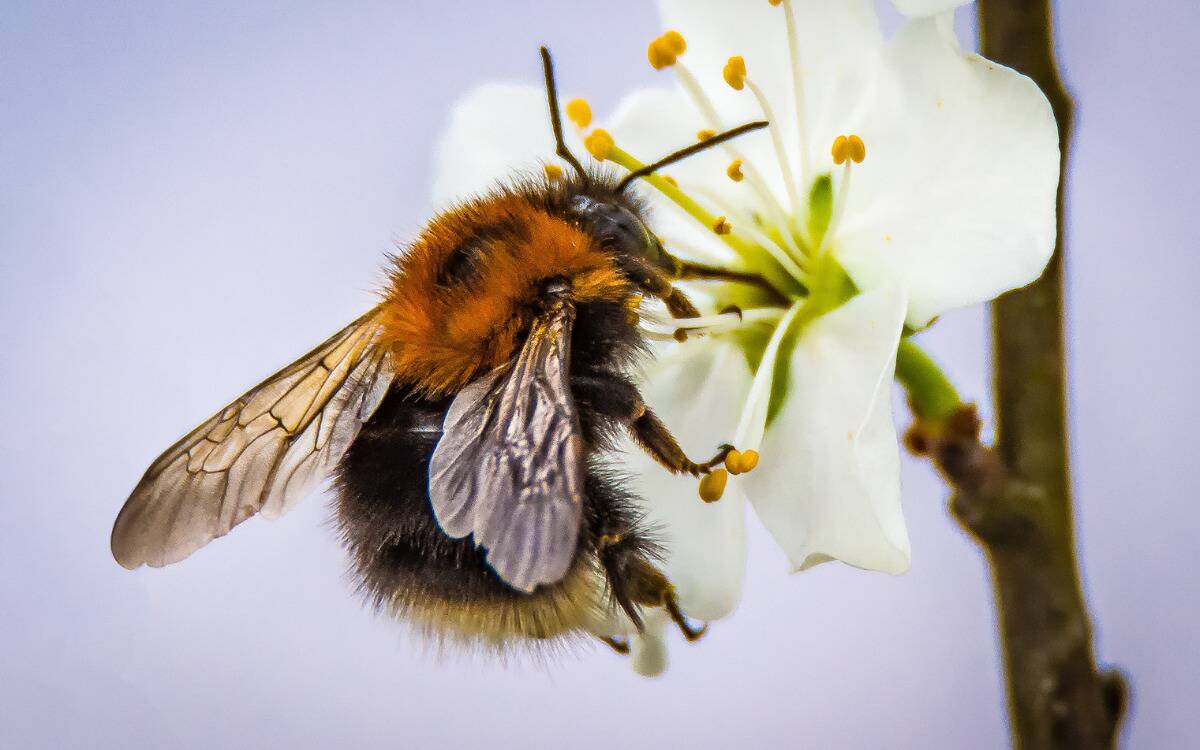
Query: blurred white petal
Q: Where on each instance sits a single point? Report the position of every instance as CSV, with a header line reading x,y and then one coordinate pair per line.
x,y
648,650
495,131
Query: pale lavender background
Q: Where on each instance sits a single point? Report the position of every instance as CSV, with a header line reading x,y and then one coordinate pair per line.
x,y
190,195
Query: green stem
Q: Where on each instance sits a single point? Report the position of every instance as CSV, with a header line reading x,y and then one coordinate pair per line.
x,y
934,398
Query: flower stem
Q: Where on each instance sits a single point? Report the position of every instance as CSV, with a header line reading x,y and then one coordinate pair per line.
x,y
933,397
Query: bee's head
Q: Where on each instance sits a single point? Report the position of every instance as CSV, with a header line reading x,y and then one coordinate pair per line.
x,y
621,232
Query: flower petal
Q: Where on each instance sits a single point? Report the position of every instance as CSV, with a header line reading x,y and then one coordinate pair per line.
x,y
919,8
956,199
494,131
827,486
697,391
648,650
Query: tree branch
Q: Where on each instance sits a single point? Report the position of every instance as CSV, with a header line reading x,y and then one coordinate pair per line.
x,y
1014,498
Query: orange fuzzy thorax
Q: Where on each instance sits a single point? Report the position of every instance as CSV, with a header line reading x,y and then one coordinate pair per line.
x,y
442,335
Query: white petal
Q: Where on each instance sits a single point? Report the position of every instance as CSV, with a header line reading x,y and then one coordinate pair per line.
x,y
956,198
648,650
827,486
698,393
494,131
918,8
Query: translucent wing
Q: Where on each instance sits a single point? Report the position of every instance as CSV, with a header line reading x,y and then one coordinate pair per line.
x,y
508,467
260,454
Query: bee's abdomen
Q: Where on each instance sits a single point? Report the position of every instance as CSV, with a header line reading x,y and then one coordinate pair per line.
x,y
405,563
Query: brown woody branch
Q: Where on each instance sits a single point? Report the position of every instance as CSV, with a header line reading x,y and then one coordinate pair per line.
x,y
1014,498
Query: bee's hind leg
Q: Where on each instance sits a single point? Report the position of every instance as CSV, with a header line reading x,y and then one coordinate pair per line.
x,y
635,583
616,644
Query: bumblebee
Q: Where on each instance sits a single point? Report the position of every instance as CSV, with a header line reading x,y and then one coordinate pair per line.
x,y
463,421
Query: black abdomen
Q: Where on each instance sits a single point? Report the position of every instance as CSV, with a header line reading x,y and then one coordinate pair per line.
x,y
385,516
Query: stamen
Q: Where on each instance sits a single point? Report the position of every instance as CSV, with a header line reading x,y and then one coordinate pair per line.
x,y
735,72
579,112
734,170
846,151
701,322
848,147
797,86
753,421
704,135
553,172
693,89
599,144
698,212
670,180
721,226
680,329
712,485
741,462
781,154
749,460
675,41
665,50
794,263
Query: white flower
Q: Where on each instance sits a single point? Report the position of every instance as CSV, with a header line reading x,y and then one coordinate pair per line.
x,y
900,178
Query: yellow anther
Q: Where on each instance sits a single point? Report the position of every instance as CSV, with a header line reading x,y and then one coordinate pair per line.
x,y
665,50
553,171
704,135
722,226
734,170
579,112
848,147
775,2
598,143
749,460
712,485
733,462
670,180
675,42
735,72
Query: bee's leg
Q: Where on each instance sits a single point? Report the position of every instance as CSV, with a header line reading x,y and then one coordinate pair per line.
x,y
635,583
615,397
659,284
621,647
656,439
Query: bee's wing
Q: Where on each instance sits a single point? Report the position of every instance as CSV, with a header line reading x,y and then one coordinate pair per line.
x,y
508,468
260,454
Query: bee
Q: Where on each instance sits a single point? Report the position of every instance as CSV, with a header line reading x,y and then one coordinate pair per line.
x,y
463,421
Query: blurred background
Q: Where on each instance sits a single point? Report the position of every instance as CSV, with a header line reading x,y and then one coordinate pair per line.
x,y
192,194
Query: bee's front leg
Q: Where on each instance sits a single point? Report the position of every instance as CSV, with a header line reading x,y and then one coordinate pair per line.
x,y
615,397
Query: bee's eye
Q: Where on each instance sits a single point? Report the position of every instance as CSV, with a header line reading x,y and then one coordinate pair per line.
x,y
621,231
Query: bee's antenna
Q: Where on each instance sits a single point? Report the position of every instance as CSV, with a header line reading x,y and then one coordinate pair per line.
x,y
560,147
684,153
